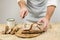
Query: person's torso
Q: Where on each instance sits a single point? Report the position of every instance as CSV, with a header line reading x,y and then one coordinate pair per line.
x,y
36,7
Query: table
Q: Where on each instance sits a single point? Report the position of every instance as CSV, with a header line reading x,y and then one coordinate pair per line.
x,y
51,34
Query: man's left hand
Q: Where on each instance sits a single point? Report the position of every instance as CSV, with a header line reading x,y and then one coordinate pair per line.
x,y
45,21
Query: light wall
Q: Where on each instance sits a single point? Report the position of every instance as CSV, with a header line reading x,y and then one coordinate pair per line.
x,y
10,9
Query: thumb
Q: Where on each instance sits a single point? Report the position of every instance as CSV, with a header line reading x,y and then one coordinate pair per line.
x,y
45,26
40,21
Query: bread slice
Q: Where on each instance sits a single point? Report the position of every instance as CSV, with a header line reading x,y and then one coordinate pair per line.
x,y
3,29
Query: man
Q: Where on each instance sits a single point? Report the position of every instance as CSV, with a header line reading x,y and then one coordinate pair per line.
x,y
37,10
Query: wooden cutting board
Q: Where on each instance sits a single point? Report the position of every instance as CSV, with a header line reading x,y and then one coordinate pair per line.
x,y
28,35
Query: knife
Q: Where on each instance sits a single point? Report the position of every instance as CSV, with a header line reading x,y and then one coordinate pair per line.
x,y
22,19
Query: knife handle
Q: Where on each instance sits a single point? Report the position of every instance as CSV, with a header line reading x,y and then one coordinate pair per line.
x,y
24,15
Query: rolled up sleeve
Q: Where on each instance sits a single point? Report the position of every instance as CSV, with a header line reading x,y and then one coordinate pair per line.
x,y
52,2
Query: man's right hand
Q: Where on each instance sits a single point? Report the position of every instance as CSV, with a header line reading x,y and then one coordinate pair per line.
x,y
23,12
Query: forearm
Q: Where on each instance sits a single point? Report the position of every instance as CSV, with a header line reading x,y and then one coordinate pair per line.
x,y
50,11
21,3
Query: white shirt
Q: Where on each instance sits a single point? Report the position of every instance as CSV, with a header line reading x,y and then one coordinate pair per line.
x,y
50,2
37,9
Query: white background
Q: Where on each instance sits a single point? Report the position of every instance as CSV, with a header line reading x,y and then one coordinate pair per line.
x,y
10,9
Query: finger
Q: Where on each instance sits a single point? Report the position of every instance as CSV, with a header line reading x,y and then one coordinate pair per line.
x,y
45,26
21,14
45,29
40,21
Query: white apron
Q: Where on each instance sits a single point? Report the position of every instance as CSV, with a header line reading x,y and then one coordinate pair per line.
x,y
36,10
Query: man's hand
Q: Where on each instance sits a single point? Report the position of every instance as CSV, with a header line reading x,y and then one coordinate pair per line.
x,y
50,10
23,8
23,12
45,21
